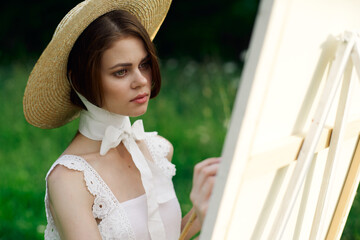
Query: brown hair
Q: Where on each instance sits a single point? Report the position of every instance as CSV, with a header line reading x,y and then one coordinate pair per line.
x,y
86,54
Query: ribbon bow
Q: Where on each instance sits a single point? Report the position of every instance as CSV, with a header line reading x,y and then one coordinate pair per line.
x,y
114,136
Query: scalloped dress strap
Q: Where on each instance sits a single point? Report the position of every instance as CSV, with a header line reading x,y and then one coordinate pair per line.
x,y
105,201
95,184
159,149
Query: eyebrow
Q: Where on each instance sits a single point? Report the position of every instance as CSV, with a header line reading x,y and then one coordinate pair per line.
x,y
129,64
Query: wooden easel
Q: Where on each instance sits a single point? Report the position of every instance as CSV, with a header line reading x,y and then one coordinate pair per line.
x,y
318,139
349,48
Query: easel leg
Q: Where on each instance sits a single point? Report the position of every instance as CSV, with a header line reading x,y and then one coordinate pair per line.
x,y
346,197
333,155
310,143
356,57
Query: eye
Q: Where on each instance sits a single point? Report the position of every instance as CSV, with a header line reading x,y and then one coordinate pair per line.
x,y
120,73
145,65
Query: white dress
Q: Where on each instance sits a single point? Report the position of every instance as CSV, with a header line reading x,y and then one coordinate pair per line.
x,y
127,220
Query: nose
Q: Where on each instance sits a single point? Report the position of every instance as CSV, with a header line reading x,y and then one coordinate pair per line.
x,y
140,79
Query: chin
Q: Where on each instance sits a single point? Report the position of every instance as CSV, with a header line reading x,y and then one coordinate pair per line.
x,y
138,113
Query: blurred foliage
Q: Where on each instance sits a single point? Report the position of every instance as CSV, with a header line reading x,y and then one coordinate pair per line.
x,y
207,28
192,111
27,26
192,28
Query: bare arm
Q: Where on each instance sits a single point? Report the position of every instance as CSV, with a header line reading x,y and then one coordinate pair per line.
x,y
71,205
203,183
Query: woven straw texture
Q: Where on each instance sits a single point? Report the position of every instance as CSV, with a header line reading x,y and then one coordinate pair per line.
x,y
46,100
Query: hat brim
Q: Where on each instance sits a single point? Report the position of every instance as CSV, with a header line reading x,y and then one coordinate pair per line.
x,y
46,102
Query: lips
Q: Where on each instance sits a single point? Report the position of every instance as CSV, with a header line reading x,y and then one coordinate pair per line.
x,y
141,98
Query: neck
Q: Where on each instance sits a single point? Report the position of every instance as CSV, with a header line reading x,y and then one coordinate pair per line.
x,y
95,120
82,145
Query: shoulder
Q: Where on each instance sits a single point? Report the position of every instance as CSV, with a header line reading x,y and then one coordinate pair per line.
x,y
66,178
64,181
60,173
170,147
160,145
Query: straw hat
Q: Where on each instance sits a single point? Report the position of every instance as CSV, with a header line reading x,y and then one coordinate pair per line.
x,y
47,95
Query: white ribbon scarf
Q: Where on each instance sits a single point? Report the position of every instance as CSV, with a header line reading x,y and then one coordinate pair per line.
x,y
112,129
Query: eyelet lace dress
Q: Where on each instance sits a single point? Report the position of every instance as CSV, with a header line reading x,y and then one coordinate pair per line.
x,y
126,220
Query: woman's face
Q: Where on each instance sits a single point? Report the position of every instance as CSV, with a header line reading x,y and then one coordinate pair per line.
x,y
126,77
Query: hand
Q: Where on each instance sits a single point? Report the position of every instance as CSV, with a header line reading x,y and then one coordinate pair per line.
x,y
203,183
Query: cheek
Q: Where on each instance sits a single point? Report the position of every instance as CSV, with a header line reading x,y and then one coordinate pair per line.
x,y
113,89
149,78
117,90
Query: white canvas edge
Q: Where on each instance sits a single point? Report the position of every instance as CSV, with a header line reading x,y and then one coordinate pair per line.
x,y
234,146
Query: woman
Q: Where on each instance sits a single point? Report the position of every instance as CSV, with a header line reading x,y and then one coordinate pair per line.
x,y
114,180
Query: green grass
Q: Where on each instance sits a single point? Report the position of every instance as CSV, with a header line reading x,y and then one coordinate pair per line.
x,y
192,111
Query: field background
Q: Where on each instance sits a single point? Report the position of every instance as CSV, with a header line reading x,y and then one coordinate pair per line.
x,y
192,111
201,45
